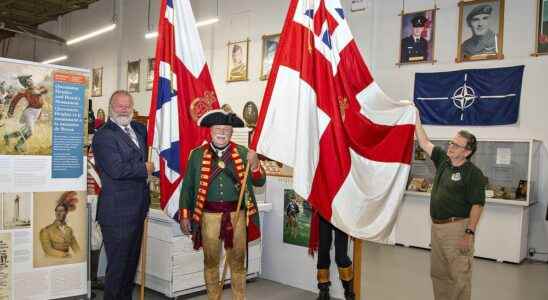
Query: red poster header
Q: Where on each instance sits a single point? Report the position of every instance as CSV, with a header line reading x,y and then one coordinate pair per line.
x,y
70,78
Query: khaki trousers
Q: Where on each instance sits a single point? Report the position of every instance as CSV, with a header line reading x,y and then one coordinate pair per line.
x,y
450,267
211,226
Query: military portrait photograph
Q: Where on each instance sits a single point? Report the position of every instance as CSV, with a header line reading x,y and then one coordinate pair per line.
x,y
60,228
270,45
133,76
26,95
542,28
297,215
237,61
481,30
97,82
16,210
417,37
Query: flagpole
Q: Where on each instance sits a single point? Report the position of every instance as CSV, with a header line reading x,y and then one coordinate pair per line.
x,y
357,268
144,244
236,220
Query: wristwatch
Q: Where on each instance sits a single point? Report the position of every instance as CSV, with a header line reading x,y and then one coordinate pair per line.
x,y
469,231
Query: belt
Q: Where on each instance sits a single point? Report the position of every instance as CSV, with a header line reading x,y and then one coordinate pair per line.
x,y
445,221
226,232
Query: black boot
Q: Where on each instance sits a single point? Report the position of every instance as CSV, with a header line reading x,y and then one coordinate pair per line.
x,y
324,291
348,290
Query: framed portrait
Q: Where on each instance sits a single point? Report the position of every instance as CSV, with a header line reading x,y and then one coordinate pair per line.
x,y
150,73
417,37
133,75
541,44
481,30
97,82
237,61
270,45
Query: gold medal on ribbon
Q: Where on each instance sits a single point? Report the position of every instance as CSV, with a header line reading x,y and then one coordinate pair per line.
x,y
221,164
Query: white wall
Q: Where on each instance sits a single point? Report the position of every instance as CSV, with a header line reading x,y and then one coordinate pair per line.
x,y
376,31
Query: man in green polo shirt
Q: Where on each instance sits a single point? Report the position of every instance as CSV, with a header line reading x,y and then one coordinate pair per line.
x,y
209,198
456,204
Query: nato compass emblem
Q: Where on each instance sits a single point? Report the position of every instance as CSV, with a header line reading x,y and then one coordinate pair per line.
x,y
465,97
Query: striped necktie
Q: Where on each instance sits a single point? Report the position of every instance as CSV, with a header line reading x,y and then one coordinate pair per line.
x,y
132,135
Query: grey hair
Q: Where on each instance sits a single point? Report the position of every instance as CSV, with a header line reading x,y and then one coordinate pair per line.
x,y
115,95
471,142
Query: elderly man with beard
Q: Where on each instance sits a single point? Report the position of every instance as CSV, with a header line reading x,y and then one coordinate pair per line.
x,y
121,159
209,200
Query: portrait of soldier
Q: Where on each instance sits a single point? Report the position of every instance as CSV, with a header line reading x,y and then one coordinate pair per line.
x,y
57,239
484,38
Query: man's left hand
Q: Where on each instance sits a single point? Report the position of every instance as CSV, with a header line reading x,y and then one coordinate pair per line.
x,y
465,244
253,160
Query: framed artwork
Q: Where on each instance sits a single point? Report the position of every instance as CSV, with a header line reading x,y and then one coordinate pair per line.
x,y
417,37
297,216
270,45
133,75
481,30
150,73
358,5
237,61
541,44
97,82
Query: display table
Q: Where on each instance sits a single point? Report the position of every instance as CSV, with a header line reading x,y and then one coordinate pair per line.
x,y
173,268
501,234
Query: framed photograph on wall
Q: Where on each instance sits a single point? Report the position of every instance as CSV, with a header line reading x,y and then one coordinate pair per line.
x,y
270,45
417,37
481,30
237,60
97,82
541,44
133,75
150,73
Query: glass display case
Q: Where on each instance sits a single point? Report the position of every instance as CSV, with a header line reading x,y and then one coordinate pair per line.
x,y
511,168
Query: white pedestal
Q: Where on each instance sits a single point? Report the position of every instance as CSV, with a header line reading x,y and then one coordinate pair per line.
x,y
501,234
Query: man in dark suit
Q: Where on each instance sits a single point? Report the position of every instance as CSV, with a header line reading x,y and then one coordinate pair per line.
x,y
121,159
414,47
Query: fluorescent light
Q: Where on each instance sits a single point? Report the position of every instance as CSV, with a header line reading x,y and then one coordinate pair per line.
x,y
154,34
151,35
54,60
91,34
207,22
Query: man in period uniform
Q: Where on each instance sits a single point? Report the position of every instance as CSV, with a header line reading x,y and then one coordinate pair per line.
x,y
30,115
414,47
209,197
484,39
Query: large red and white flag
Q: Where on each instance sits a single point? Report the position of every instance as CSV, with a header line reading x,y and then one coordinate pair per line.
x,y
182,92
349,144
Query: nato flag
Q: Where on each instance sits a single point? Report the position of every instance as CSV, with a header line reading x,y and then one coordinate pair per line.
x,y
469,97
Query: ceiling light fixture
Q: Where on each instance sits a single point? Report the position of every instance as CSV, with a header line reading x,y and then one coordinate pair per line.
x,y
152,35
91,34
54,60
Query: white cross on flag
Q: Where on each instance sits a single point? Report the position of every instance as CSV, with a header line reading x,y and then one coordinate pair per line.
x,y
349,144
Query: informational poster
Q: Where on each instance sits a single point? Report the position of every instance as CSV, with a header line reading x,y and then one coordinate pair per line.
x,y
43,172
5,266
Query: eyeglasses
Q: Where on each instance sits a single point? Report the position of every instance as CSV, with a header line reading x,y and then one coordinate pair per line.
x,y
453,144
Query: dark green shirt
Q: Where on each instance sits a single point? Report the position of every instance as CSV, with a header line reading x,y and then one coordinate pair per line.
x,y
456,189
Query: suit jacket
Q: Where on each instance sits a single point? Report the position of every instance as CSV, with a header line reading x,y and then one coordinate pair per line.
x,y
125,197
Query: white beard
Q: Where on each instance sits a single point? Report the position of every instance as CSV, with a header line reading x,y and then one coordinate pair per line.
x,y
121,120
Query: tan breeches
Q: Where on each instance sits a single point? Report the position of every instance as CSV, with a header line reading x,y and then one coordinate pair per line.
x,y
211,225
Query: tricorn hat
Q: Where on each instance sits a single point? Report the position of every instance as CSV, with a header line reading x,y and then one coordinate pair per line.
x,y
419,21
220,117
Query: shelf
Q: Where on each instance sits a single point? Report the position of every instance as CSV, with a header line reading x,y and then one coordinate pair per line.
x,y
488,200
